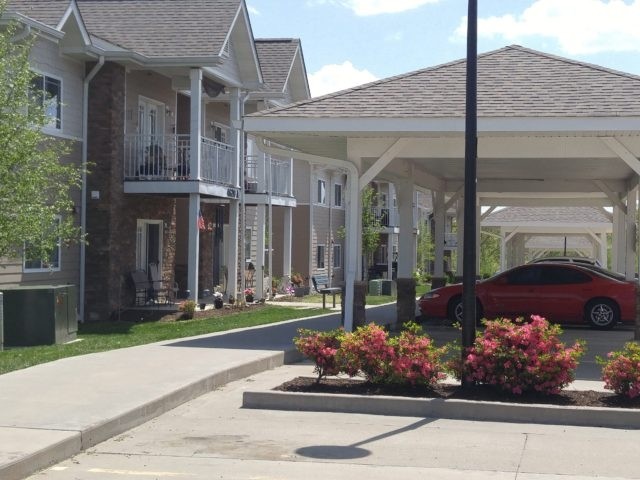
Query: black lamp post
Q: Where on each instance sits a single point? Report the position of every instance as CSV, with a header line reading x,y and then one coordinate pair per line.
x,y
470,178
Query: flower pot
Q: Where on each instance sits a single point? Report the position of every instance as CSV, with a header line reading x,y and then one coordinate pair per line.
x,y
202,306
218,303
249,298
300,291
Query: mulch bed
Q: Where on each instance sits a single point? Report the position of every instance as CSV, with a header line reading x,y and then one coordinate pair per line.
x,y
578,398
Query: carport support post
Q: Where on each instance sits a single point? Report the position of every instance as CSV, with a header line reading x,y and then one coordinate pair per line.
x,y
439,216
470,187
630,257
406,283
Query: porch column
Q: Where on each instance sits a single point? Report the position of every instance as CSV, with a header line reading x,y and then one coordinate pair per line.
x,y
287,242
630,256
194,245
406,284
618,241
260,246
237,144
193,241
390,256
459,238
438,279
196,124
602,240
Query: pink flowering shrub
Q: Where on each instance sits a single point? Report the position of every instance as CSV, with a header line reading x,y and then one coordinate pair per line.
x,y
518,356
415,360
367,351
621,370
320,348
409,358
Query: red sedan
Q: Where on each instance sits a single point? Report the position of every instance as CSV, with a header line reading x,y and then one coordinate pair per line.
x,y
565,293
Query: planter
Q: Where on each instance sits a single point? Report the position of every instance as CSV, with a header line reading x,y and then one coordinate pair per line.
x,y
218,303
249,298
301,291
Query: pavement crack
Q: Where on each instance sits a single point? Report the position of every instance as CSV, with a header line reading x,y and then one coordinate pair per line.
x,y
524,448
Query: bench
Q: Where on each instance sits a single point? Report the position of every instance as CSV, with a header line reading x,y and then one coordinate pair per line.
x,y
321,285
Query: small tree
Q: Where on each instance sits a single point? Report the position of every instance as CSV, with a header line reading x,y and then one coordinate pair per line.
x,y
35,185
370,226
425,247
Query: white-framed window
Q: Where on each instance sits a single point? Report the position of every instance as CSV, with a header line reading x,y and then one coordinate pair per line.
x,y
337,256
220,132
321,197
320,256
337,195
47,90
33,263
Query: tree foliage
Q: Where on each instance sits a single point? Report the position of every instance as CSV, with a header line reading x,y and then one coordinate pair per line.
x,y
35,185
370,223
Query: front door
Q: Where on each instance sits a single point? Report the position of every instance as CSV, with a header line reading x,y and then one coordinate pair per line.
x,y
149,244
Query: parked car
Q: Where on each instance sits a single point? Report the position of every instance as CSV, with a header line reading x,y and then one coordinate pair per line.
x,y
560,292
579,260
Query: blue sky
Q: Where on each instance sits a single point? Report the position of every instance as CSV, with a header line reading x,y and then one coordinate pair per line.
x,y
349,42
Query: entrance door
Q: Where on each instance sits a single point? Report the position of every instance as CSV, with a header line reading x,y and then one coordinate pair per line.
x,y
150,131
149,244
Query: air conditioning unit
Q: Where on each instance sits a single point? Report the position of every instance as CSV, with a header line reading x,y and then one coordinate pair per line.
x,y
252,187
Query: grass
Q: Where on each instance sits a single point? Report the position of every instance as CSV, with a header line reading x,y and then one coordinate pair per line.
x,y
371,299
103,336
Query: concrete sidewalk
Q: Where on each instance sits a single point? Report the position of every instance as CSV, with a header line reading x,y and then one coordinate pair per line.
x,y
54,410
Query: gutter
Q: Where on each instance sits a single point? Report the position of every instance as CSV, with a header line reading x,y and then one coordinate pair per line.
x,y
83,204
352,224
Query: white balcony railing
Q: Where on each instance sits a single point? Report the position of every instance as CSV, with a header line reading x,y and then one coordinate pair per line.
x,y
167,157
281,177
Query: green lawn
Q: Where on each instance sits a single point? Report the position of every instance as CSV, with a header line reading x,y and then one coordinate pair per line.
x,y
371,299
102,336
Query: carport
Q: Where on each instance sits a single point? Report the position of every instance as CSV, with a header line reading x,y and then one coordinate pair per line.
x,y
551,132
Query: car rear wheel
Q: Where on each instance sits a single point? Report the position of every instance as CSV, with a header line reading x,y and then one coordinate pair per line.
x,y
602,314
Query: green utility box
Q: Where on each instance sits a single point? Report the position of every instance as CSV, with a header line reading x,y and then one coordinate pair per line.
x,y
40,315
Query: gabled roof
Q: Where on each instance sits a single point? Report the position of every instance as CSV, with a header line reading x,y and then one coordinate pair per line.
x,y
512,82
276,57
47,12
556,215
156,28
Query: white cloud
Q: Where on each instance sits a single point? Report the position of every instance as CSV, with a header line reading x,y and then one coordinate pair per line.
x,y
333,77
375,7
253,10
394,37
579,26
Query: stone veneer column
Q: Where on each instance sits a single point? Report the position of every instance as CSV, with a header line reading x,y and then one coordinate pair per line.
x,y
406,304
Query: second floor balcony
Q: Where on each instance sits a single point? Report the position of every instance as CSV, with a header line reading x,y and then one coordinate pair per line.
x,y
264,176
167,159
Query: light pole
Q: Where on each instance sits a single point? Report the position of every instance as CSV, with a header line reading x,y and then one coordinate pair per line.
x,y
470,164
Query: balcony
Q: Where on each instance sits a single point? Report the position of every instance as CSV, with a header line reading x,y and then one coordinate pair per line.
x,y
257,181
166,159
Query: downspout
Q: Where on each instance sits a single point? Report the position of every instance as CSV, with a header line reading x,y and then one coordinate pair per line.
x,y
83,202
352,225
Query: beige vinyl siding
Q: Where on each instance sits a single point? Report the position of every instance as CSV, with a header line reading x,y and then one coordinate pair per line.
x,y
154,87
218,113
301,172
301,241
45,58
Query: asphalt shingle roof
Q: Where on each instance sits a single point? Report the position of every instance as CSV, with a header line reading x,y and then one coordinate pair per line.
x,y
154,28
512,82
276,57
559,215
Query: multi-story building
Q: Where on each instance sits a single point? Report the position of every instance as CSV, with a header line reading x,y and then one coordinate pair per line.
x,y
153,93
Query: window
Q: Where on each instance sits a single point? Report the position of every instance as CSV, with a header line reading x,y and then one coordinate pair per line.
x,y
32,262
337,256
47,91
248,233
337,195
220,132
320,256
322,193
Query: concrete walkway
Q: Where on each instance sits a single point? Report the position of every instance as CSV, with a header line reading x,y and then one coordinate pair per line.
x,y
52,411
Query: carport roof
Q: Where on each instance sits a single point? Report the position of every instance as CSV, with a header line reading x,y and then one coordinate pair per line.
x,y
556,215
512,82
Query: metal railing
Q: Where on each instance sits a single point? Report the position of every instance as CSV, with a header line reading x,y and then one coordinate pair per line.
x,y
167,157
281,177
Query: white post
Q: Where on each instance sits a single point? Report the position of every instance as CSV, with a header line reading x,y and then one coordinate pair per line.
x,y
353,221
503,250
405,236
630,250
460,237
602,240
260,246
235,226
390,255
439,217
618,241
287,243
193,258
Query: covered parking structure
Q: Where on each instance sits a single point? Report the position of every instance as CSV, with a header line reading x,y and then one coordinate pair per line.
x,y
551,132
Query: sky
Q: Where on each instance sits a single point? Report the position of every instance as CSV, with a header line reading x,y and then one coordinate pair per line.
x,y
351,42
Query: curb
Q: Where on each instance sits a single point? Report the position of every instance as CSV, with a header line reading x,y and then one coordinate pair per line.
x,y
78,441
441,408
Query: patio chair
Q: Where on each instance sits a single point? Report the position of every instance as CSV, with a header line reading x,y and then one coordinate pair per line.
x,y
159,288
142,286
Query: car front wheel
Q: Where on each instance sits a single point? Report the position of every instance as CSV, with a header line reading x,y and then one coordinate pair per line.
x,y
602,314
455,314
